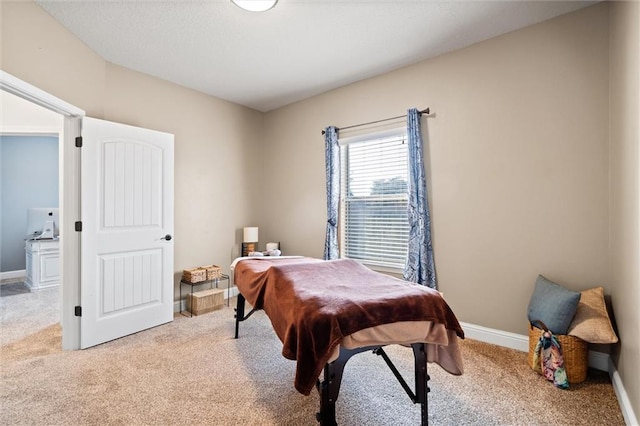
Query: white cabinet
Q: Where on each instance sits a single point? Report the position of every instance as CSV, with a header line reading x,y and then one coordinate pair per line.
x,y
43,263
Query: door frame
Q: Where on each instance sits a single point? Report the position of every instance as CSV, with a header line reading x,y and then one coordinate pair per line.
x,y
69,200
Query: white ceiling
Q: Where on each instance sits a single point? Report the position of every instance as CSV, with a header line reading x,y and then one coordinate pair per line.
x,y
296,50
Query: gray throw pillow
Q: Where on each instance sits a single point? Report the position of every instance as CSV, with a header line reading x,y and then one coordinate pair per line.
x,y
553,304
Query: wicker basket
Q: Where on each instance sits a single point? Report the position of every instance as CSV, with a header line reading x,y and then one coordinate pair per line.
x,y
574,351
194,275
213,272
202,302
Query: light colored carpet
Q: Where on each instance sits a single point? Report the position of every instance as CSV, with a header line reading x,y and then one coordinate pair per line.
x,y
22,311
192,371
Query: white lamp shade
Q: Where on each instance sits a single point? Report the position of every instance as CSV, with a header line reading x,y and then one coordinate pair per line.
x,y
250,234
255,5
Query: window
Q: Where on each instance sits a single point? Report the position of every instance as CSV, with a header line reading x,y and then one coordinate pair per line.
x,y
374,227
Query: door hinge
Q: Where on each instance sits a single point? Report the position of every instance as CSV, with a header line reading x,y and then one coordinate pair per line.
x,y
78,141
78,311
79,226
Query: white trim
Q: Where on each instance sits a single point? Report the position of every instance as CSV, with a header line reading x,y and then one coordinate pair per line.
x,y
69,200
496,337
30,131
520,342
599,360
623,399
70,254
13,275
22,89
397,132
379,268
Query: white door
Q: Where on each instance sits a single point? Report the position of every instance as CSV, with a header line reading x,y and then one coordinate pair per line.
x,y
127,224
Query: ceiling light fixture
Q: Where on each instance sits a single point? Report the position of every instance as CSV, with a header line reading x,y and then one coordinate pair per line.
x,y
255,5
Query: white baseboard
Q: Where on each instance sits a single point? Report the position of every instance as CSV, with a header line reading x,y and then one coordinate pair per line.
x,y
623,399
597,360
181,305
496,337
10,275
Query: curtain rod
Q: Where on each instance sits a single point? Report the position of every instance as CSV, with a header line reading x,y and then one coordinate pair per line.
x,y
424,111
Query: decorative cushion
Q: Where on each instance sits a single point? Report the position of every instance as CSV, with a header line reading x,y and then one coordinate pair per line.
x,y
591,322
553,304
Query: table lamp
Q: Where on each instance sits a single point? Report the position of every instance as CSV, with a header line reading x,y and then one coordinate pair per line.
x,y
249,240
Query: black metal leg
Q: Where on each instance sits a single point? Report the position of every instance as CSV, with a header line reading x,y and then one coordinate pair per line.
x,y
329,388
192,285
422,379
240,316
239,312
181,299
226,277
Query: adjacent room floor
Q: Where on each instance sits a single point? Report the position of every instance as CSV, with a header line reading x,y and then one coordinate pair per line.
x,y
23,312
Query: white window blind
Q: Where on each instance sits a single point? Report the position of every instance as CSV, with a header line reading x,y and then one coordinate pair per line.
x,y
374,226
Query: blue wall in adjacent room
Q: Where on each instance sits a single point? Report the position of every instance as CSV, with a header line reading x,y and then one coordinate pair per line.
x,y
28,178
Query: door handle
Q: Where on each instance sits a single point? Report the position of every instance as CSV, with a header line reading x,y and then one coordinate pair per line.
x,y
167,237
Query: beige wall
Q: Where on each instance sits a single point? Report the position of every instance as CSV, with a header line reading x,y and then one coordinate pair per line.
x,y
36,49
518,163
518,157
216,142
624,42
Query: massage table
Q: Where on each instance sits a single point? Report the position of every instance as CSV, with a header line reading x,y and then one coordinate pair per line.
x,y
325,312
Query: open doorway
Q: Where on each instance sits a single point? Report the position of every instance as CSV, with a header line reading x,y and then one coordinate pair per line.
x,y
30,154
87,286
69,190
85,174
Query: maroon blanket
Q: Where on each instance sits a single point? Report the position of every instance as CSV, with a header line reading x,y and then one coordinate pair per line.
x,y
313,304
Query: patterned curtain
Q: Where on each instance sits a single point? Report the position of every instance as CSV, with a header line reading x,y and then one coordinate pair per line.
x,y
420,266
332,157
